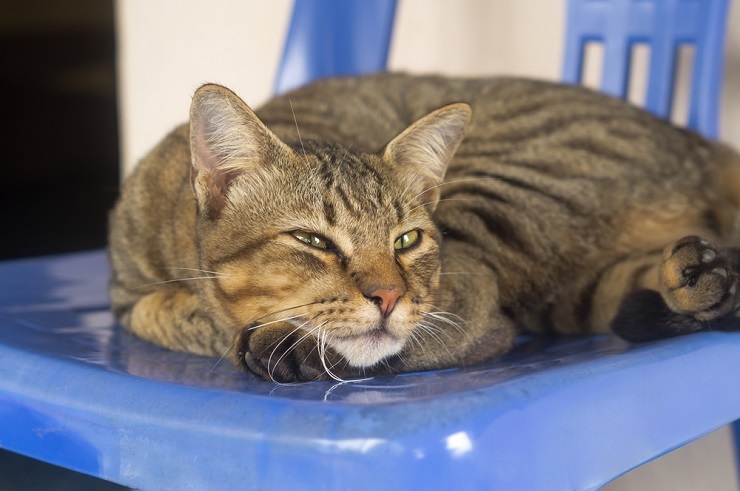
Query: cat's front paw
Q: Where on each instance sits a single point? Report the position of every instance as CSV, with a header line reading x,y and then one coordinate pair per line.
x,y
281,353
696,279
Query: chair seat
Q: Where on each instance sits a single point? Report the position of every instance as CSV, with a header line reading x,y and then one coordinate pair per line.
x,y
568,413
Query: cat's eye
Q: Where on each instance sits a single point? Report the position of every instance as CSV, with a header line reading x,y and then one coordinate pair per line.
x,y
312,239
409,239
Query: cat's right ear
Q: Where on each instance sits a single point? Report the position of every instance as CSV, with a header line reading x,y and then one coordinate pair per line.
x,y
420,154
227,141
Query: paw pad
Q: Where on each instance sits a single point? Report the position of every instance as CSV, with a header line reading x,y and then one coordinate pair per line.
x,y
696,279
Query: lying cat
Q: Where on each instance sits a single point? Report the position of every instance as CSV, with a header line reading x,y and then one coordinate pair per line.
x,y
394,223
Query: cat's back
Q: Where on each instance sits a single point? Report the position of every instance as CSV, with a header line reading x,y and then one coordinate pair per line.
x,y
530,128
368,111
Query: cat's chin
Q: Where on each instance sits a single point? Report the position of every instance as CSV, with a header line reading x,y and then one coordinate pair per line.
x,y
366,350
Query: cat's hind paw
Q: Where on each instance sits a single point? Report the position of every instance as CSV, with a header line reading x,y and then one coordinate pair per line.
x,y
696,279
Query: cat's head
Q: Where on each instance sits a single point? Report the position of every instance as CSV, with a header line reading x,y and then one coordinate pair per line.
x,y
336,242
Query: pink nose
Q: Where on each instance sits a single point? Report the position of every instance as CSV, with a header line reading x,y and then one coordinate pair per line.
x,y
385,298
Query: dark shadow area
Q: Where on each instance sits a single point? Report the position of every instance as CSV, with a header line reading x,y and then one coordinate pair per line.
x,y
59,125
59,155
19,473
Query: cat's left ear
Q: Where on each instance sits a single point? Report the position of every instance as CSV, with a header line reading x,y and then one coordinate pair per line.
x,y
421,153
227,140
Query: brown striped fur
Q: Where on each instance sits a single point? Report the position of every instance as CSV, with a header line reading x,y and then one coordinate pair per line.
x,y
559,204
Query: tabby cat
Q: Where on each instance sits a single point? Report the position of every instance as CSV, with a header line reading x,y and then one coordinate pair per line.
x,y
392,223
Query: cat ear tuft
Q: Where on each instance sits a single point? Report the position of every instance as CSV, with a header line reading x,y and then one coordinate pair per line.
x,y
421,153
226,141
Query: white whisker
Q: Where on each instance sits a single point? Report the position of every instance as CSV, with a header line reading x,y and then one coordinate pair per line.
x,y
415,338
196,269
284,319
283,310
440,317
466,273
431,329
277,345
346,152
231,346
322,354
435,331
445,183
437,201
305,158
408,186
178,279
292,346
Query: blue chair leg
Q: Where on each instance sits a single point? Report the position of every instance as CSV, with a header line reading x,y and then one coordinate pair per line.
x,y
736,432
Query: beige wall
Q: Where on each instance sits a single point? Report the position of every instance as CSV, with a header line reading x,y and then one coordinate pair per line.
x,y
167,48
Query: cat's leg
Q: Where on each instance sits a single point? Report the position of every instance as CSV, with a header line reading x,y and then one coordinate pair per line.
x,y
697,290
590,303
174,318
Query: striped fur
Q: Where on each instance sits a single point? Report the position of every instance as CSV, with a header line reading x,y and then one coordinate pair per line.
x,y
559,206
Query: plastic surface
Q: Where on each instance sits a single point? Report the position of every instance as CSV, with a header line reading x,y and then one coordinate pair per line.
x,y
571,414
335,37
664,25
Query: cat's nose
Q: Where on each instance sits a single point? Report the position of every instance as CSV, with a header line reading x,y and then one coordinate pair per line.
x,y
385,298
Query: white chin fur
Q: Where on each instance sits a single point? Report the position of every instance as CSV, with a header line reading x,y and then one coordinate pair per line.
x,y
362,352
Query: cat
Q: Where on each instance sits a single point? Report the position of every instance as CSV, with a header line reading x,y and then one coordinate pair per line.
x,y
391,223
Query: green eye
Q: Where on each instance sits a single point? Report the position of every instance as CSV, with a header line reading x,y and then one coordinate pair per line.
x,y
314,240
406,240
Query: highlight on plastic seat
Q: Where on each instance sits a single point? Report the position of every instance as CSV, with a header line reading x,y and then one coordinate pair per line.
x,y
665,28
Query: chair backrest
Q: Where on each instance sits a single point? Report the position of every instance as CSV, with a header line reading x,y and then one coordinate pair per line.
x,y
349,37
664,26
335,37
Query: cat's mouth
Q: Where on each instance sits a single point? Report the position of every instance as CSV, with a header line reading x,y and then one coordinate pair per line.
x,y
375,334
367,348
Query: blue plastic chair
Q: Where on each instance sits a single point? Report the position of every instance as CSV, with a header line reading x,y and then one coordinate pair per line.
x,y
664,26
326,36
569,413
